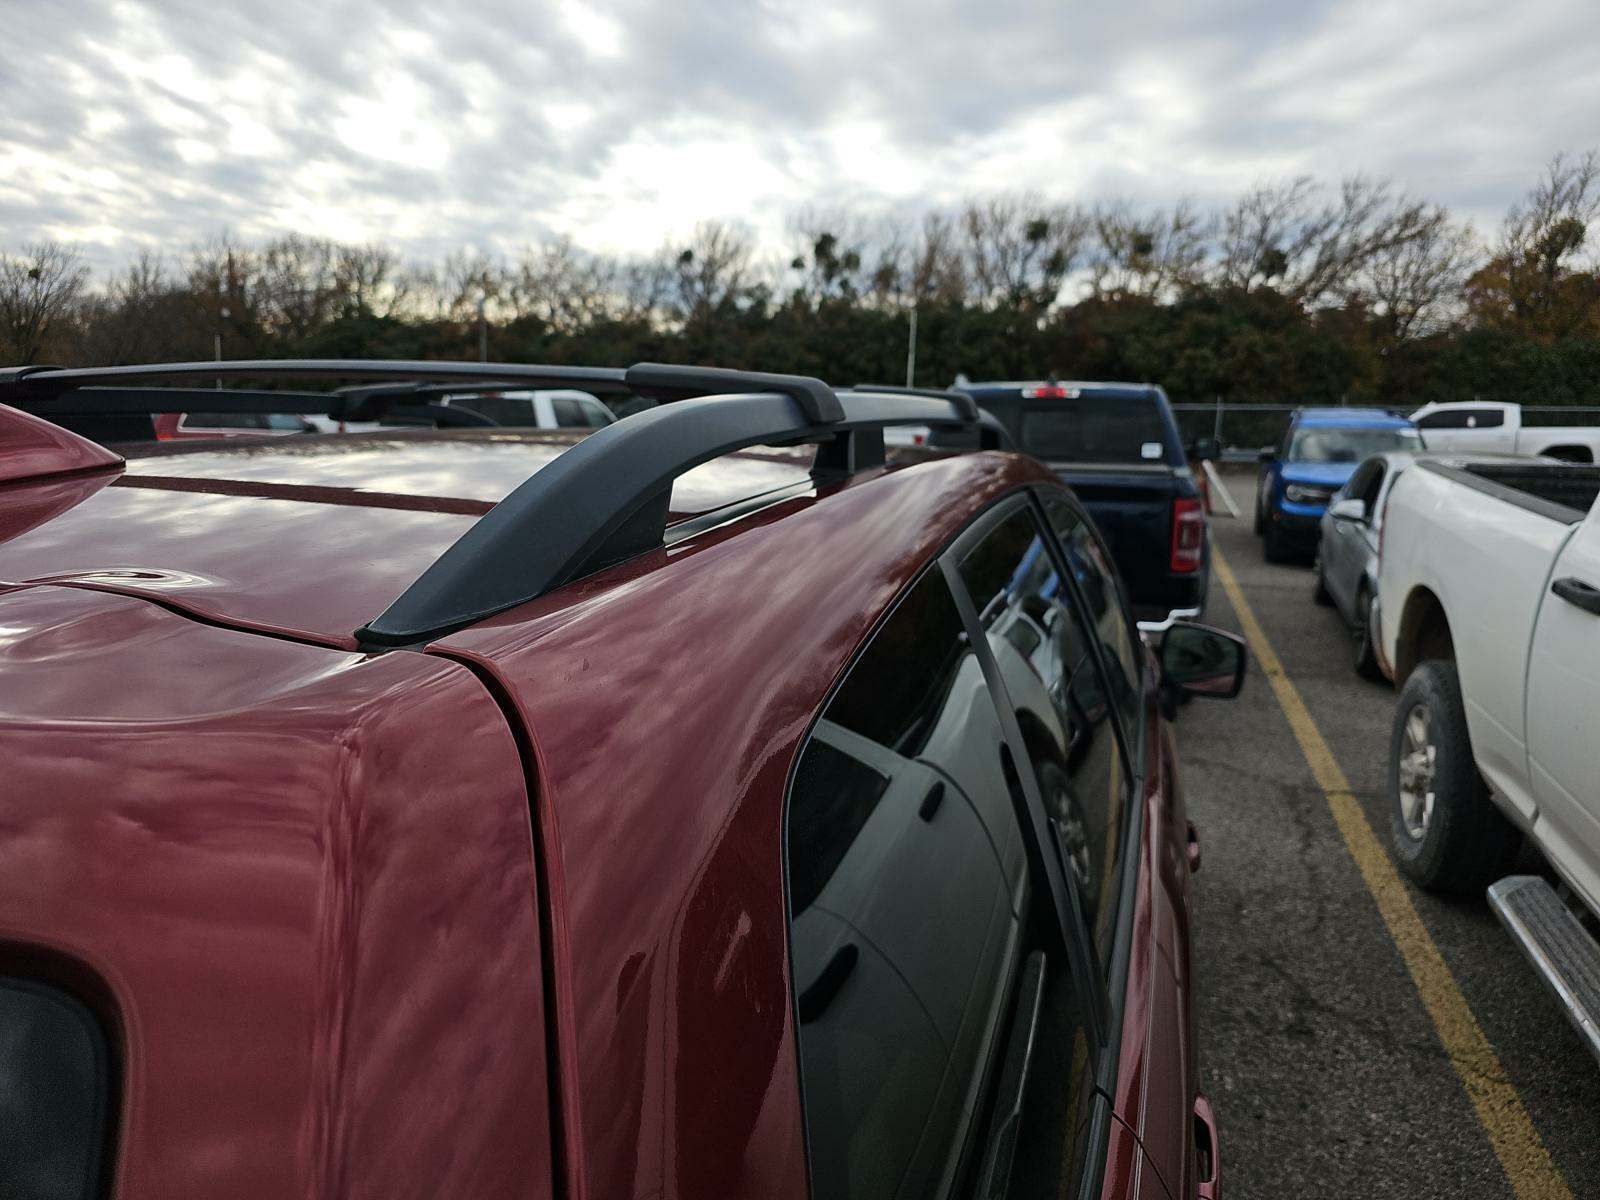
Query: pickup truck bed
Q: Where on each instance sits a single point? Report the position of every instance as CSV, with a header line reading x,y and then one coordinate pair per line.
x,y
1564,494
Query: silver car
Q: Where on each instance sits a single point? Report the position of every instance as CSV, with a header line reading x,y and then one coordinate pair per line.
x,y
1347,552
1352,535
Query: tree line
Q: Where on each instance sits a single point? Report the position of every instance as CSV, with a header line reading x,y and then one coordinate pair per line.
x,y
1299,291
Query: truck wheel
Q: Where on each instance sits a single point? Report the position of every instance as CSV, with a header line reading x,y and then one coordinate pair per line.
x,y
1320,593
1448,834
1364,638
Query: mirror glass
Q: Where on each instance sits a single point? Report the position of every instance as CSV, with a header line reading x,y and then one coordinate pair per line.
x,y
1202,660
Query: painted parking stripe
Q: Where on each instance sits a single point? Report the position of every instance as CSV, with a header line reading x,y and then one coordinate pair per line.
x,y
1528,1166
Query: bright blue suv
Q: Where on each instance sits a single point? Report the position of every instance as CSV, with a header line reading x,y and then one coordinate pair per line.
x,y
1319,453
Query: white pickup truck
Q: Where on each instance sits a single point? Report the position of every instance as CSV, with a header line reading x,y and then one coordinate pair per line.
x,y
1496,428
1489,593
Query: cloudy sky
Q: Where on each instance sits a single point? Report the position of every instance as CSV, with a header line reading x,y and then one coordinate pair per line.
x,y
492,123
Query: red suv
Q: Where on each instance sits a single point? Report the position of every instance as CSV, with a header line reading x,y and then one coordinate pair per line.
x,y
679,813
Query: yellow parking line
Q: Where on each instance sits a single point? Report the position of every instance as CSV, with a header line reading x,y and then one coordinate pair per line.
x,y
1527,1164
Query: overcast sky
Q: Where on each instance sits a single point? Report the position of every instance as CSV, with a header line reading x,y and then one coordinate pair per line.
x,y
490,124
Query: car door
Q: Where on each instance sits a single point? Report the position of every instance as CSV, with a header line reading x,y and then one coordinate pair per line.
x,y
1347,544
1563,706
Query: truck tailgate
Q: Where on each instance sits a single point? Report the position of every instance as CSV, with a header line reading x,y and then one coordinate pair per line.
x,y
1132,505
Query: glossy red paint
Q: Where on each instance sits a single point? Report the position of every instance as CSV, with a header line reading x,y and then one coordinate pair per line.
x,y
677,1049
384,975
33,449
302,885
1158,1077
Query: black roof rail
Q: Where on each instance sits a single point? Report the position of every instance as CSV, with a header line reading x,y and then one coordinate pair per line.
x,y
605,499
600,502
38,382
954,395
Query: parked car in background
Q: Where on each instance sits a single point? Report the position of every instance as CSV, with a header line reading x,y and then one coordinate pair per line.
x,y
1117,446
545,408
1351,539
533,408
1318,455
1490,591
177,426
438,832
1347,553
1482,425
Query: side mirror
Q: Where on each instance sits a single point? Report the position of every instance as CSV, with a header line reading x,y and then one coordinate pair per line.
x,y
1268,454
1205,448
1203,661
1351,508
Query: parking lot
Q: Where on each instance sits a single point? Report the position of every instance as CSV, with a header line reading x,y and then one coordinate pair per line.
x,y
1357,1036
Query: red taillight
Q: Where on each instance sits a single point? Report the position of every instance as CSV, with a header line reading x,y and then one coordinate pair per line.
x,y
1188,535
919,439
1049,391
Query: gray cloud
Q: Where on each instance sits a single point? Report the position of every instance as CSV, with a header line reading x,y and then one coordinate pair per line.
x,y
125,124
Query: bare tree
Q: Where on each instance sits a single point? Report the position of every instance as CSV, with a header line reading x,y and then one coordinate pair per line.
x,y
1314,251
1020,249
714,269
1540,239
1415,286
565,287
1150,255
39,289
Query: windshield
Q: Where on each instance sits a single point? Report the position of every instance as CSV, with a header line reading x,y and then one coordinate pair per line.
x,y
1095,429
1331,444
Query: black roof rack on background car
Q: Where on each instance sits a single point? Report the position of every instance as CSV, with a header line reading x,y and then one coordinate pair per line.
x,y
602,501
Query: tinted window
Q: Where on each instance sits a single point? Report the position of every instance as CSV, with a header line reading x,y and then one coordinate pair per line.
x,y
1107,609
908,894
568,412
502,410
281,421
1443,420
1044,649
1095,429
1333,444
595,414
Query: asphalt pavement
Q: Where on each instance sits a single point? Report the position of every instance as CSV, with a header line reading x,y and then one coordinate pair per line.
x,y
1330,1074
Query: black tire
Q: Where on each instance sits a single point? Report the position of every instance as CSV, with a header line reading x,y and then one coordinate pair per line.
x,y
1261,514
1320,593
1364,654
1466,842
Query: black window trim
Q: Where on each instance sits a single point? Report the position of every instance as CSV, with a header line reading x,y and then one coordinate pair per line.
x,y
1082,959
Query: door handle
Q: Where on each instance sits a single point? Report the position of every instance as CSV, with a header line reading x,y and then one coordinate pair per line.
x,y
1576,591
1208,1184
814,1001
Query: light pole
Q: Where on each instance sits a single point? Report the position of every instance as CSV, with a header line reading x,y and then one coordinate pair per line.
x,y
483,330
911,352
223,314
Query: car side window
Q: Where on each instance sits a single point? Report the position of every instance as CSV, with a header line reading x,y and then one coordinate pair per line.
x,y
909,890
1044,648
1107,608
568,412
1449,419
595,415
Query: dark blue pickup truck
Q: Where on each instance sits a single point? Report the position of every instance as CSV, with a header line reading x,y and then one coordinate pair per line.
x,y
1117,446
